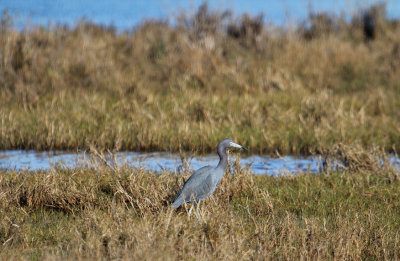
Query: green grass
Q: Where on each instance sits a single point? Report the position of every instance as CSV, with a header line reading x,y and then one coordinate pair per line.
x,y
86,214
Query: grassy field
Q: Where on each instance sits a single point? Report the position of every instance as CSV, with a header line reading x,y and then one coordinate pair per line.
x,y
185,87
321,87
125,214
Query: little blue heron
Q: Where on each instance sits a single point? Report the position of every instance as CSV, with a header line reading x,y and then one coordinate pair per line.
x,y
203,182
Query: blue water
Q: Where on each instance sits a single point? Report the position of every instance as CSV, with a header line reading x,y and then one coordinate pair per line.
x,y
159,161
126,14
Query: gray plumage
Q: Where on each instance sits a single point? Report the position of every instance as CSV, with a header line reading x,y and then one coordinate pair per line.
x,y
205,180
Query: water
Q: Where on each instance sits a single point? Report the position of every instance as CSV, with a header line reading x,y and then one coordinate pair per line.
x,y
125,14
159,161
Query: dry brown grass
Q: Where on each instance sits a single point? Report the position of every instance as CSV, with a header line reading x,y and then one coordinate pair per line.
x,y
125,214
184,88
169,88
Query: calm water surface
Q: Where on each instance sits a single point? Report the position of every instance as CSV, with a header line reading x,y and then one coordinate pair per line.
x,y
125,14
159,161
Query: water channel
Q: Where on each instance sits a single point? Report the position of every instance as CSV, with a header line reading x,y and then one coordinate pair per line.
x,y
159,161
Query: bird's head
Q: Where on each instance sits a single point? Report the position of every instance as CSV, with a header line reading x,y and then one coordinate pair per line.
x,y
228,143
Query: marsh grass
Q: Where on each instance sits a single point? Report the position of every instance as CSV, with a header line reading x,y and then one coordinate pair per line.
x,y
162,87
120,213
319,87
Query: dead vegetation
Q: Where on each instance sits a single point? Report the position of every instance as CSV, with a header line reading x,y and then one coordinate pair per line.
x,y
163,87
329,86
123,214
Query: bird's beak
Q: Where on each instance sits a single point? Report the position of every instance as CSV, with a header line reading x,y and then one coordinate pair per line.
x,y
232,144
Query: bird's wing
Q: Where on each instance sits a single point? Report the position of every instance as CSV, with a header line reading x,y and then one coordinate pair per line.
x,y
199,185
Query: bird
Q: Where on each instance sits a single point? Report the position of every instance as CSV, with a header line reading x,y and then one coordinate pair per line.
x,y
203,182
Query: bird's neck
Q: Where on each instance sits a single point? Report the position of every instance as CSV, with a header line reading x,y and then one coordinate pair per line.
x,y
223,158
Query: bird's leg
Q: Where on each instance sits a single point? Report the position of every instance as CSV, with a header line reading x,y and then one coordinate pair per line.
x,y
190,210
198,209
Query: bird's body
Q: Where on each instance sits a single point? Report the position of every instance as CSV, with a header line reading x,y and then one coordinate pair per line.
x,y
205,180
199,186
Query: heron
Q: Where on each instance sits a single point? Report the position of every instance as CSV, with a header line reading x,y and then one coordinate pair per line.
x,y
203,182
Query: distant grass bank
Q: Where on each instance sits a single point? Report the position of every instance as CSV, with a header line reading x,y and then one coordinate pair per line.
x,y
185,87
84,214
